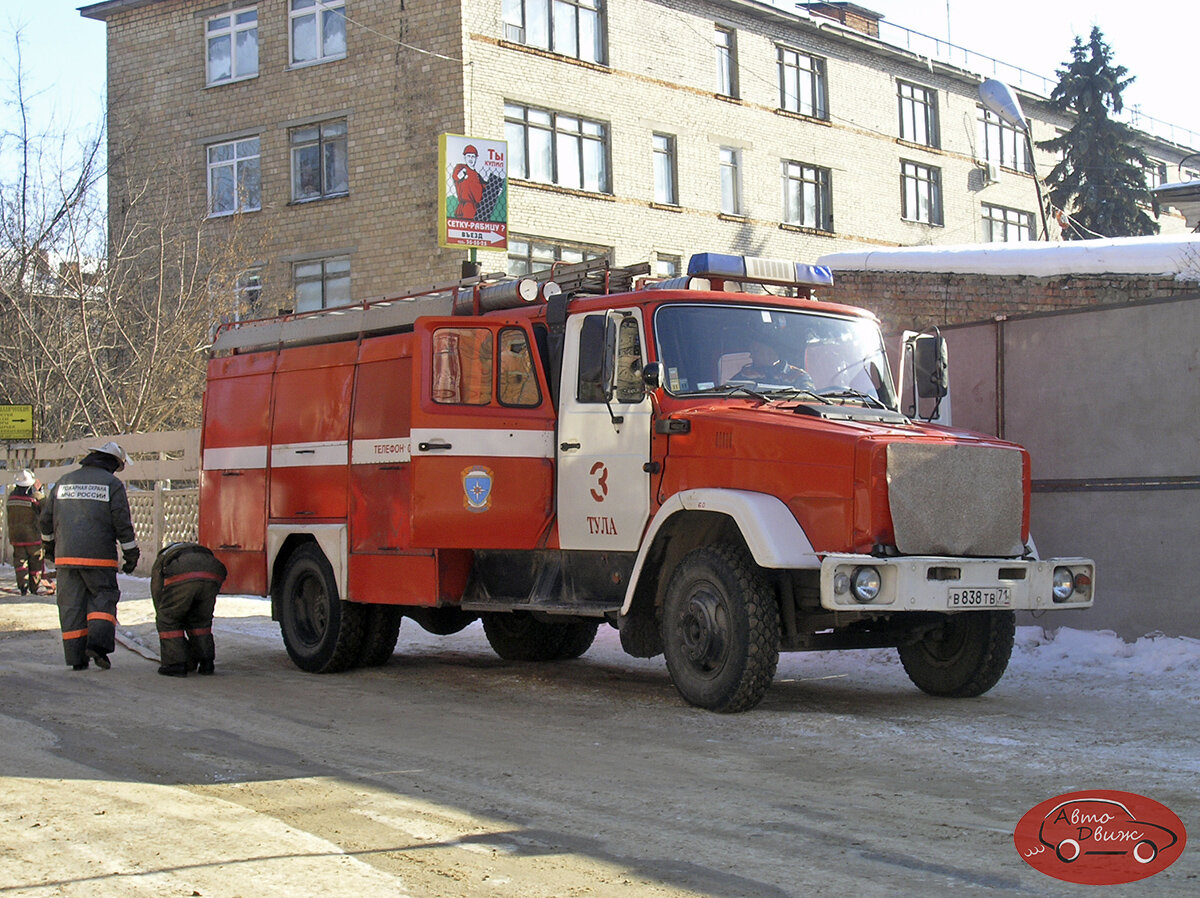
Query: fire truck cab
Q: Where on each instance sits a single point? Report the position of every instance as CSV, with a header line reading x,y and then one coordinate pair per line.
x,y
717,465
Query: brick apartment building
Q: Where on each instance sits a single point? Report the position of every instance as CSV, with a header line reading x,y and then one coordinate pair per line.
x,y
646,129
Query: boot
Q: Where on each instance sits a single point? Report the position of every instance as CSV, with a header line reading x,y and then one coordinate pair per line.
x,y
82,665
206,667
173,670
100,658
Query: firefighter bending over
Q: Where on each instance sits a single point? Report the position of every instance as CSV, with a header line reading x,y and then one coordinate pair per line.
x,y
184,583
85,516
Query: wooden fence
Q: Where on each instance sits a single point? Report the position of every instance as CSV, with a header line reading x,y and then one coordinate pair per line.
x,y
162,482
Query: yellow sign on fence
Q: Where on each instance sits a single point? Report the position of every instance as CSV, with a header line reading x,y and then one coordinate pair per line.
x,y
16,422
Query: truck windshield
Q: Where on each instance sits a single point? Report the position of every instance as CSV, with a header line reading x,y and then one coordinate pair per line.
x,y
778,353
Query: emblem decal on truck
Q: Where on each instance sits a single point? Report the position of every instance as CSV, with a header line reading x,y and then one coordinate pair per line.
x,y
477,488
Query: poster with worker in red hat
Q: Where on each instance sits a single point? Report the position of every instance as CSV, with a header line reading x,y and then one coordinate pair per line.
x,y
474,207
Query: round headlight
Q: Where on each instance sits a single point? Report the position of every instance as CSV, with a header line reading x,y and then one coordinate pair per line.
x,y
865,584
1064,584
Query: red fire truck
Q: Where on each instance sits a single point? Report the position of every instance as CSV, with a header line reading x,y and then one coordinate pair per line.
x,y
717,465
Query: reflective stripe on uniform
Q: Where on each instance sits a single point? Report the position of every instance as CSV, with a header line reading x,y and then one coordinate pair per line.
x,y
170,634
74,634
100,615
203,631
86,562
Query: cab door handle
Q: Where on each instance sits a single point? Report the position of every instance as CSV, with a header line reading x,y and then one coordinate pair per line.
x,y
433,447
567,447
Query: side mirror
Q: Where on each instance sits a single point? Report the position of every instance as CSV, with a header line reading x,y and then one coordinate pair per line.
x,y
608,371
931,364
652,375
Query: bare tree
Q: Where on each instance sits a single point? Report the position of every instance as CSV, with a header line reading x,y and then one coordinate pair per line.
x,y
104,323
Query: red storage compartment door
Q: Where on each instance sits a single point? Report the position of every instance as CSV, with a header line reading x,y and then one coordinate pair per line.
x,y
233,475
309,449
380,454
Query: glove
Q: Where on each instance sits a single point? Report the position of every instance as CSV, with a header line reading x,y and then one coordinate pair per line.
x,y
131,557
48,549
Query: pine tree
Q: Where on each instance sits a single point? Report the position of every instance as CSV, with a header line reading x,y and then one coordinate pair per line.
x,y
1100,179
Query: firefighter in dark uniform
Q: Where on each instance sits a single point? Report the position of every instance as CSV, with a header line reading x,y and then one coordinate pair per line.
x,y
84,519
184,583
24,505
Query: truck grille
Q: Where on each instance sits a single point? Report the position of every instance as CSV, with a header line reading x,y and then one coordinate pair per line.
x,y
955,499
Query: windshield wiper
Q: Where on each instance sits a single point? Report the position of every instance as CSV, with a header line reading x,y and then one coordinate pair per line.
x,y
851,393
796,393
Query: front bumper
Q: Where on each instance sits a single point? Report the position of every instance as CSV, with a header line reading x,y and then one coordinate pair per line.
x,y
934,583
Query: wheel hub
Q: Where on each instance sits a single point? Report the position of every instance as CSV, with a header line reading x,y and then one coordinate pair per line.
x,y
703,636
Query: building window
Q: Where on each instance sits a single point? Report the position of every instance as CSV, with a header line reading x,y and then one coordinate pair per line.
x,y
234,178
806,196
318,30
726,45
556,148
1155,173
921,193
664,170
569,27
801,83
529,256
1001,225
247,293
731,193
232,41
319,167
667,266
918,114
1002,143
321,283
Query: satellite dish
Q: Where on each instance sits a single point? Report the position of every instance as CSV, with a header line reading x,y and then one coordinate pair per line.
x,y
1000,99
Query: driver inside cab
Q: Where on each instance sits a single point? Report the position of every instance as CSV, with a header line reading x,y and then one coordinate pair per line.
x,y
768,367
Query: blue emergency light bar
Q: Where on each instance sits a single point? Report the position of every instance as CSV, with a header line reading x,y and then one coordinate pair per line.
x,y
722,266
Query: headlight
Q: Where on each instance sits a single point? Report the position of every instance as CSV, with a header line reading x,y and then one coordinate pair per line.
x,y
1064,584
865,584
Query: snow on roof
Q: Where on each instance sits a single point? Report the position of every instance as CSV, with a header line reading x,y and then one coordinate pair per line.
x,y
1171,255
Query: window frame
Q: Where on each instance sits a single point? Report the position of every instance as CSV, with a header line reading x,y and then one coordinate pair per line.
x,y
919,174
318,10
1000,140
914,109
549,122
805,173
326,276
730,161
515,16
726,60
231,31
541,254
236,164
665,166
1007,220
817,79
322,144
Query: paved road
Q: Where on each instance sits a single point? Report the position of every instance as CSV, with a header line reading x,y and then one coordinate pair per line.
x,y
449,772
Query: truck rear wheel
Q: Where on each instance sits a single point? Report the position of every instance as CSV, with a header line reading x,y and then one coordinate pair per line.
x,y
964,657
720,630
322,633
576,638
519,636
380,631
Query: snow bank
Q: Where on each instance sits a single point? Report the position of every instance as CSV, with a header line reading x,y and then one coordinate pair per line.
x,y
1172,255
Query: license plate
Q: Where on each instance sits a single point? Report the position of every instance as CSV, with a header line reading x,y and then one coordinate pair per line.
x,y
988,597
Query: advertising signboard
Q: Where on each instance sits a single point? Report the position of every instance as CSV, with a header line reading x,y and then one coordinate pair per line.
x,y
474,207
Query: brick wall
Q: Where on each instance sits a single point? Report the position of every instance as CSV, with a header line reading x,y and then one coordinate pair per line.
x,y
914,300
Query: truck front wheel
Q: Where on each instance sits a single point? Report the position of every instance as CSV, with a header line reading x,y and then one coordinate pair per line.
x,y
964,656
720,630
322,633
